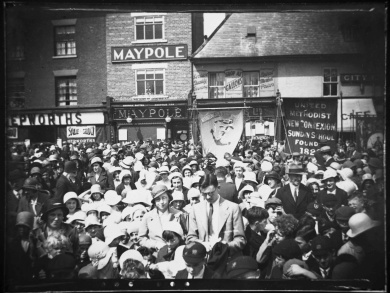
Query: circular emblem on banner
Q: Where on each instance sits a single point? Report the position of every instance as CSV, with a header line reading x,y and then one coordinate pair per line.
x,y
183,136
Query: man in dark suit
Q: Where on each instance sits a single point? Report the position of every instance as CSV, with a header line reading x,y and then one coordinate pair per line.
x,y
67,182
295,196
32,200
226,189
340,196
194,255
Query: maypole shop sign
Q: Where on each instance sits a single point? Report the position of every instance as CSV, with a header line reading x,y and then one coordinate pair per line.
x,y
56,119
148,53
307,122
150,112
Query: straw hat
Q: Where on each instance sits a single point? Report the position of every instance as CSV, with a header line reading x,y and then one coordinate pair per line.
x,y
294,169
174,227
158,190
245,188
71,195
175,174
127,162
78,215
92,221
96,188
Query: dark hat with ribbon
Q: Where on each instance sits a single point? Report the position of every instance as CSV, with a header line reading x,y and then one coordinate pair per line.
x,y
194,252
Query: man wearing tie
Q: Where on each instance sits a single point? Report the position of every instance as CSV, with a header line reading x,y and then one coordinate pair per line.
x,y
216,219
294,196
340,196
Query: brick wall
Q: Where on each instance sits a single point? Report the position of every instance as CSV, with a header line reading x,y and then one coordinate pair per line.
x,y
120,76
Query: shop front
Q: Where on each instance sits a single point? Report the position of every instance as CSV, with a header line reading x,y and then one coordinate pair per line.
x,y
135,121
87,125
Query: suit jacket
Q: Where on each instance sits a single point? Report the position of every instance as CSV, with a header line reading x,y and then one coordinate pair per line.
x,y
25,205
228,191
183,274
231,227
63,186
102,179
298,208
341,197
328,162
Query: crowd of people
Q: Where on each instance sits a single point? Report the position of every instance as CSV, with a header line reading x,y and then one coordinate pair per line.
x,y
165,210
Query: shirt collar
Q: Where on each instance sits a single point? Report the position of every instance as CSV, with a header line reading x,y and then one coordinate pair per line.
x,y
198,276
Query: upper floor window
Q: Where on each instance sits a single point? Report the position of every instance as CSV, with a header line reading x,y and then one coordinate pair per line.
x,y
150,82
330,82
216,85
149,28
15,92
250,81
65,43
66,91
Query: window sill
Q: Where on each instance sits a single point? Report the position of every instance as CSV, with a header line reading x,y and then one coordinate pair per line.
x,y
150,41
65,57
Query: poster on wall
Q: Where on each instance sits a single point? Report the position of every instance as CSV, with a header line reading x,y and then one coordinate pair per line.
x,y
160,133
369,133
80,131
220,131
233,83
307,122
122,134
201,84
267,82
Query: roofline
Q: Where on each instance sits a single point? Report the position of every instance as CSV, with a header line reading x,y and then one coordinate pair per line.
x,y
272,58
212,35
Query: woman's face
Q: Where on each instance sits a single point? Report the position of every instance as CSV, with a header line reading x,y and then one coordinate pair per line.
x,y
134,237
178,204
162,202
79,226
96,196
103,216
55,218
368,185
247,195
94,213
278,236
194,168
116,175
272,183
126,180
138,215
194,200
356,204
164,176
176,183
187,173
96,168
71,204
173,243
301,242
93,230
279,261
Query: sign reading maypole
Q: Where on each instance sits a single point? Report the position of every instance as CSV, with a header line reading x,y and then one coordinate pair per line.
x,y
308,121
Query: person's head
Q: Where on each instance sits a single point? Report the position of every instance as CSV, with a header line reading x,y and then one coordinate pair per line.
x,y
145,252
257,218
342,216
176,181
314,188
104,211
96,192
72,202
220,173
270,205
295,174
133,269
285,250
54,214
173,235
322,251
285,227
161,197
177,201
248,154
326,152
209,187
194,255
85,242
24,224
92,226
239,170
30,188
330,179
304,235
138,212
329,204
56,244
193,195
357,201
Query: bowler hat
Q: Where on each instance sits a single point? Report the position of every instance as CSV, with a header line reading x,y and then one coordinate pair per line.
x,y
273,175
194,253
31,183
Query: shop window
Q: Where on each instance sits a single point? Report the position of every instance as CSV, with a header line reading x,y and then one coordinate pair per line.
x,y
15,92
250,84
65,43
216,85
330,82
149,28
66,91
150,82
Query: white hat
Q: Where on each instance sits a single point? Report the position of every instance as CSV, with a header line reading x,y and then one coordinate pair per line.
x,y
137,207
330,173
222,163
360,223
111,232
104,208
266,166
96,160
175,174
137,196
173,168
239,164
99,253
114,218
163,169
138,166
177,195
256,201
96,188
193,192
114,169
245,188
250,176
87,207
174,227
69,195
311,180
91,221
52,148
106,152
200,173
126,162
265,191
130,227
78,215
139,156
124,173
127,211
112,198
336,166
311,168
130,254
347,185
345,173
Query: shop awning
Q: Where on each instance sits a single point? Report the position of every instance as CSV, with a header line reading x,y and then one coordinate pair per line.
x,y
352,107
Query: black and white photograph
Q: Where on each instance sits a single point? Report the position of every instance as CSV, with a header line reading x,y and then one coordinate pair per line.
x,y
194,146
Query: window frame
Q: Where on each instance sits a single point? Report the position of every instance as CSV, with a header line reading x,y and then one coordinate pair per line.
x,y
216,86
154,40
67,40
258,84
14,82
58,79
330,82
138,70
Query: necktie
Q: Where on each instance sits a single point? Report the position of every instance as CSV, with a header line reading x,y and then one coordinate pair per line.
x,y
295,194
210,220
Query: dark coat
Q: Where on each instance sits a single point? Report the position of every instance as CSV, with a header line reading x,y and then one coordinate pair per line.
x,y
328,162
253,243
63,186
242,184
183,274
25,205
19,262
298,208
102,180
228,191
341,197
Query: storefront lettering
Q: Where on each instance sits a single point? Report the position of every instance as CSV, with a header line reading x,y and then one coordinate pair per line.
x,y
233,84
81,131
173,112
77,118
356,78
146,53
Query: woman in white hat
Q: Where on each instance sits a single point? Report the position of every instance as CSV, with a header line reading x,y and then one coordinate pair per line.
x,y
98,174
177,184
164,173
132,265
187,176
72,202
101,258
126,182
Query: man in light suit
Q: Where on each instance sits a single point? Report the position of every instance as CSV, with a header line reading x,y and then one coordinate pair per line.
x,y
216,219
295,196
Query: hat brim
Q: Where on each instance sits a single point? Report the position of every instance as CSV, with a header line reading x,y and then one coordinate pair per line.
x,y
295,173
46,213
159,193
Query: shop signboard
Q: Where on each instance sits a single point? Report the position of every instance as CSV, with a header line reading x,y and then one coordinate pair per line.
x,y
55,119
150,112
149,53
74,132
307,122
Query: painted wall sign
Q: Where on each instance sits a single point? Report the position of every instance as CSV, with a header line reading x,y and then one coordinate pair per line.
x,y
148,53
267,82
81,131
233,83
356,78
56,119
12,132
308,121
81,140
150,112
